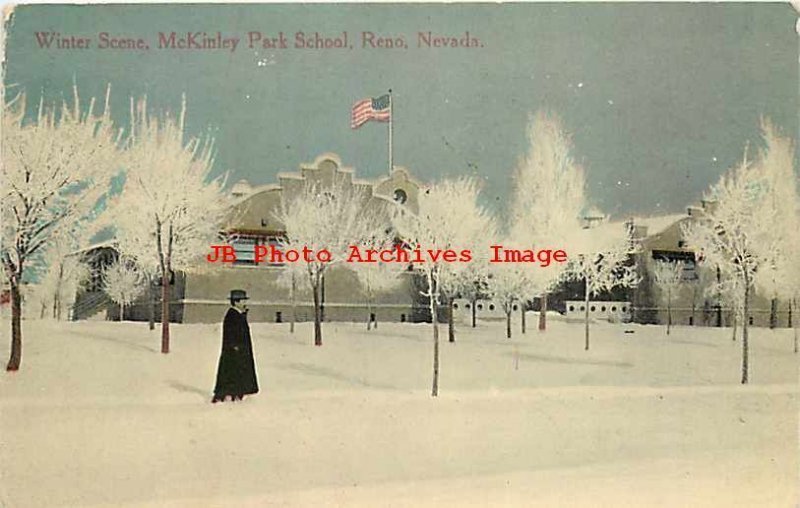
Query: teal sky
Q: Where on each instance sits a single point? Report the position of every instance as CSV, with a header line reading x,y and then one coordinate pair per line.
x,y
660,98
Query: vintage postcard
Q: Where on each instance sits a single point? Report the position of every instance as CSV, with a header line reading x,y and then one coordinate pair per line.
x,y
400,255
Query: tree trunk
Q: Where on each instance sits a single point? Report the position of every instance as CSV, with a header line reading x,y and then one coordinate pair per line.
x,y
451,327
317,313
790,322
543,313
57,293
321,285
522,323
121,313
151,313
165,311
745,351
773,314
294,303
789,319
735,324
369,314
586,317
16,326
508,321
669,310
435,320
474,312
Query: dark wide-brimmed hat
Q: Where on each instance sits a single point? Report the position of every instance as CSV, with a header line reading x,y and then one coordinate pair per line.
x,y
239,294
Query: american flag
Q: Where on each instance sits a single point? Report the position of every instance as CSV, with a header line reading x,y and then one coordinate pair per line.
x,y
371,109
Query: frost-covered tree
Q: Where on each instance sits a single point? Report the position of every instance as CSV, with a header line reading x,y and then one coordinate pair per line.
x,y
600,258
135,240
548,197
56,168
459,279
327,216
292,277
377,277
728,290
449,217
777,278
507,285
735,235
170,208
668,277
122,282
705,277
61,269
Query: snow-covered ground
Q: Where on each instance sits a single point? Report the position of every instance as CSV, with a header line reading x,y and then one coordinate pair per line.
x,y
97,417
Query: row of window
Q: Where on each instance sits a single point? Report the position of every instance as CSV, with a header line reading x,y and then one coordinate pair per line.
x,y
245,248
602,308
479,306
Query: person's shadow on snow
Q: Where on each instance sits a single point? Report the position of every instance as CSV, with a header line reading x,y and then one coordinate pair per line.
x,y
181,387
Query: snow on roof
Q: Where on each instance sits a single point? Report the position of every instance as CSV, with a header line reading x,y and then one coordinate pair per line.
x,y
292,176
658,224
96,245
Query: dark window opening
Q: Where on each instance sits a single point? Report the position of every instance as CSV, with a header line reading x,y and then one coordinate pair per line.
x,y
400,196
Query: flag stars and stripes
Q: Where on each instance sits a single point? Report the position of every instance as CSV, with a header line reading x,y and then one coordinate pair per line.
x,y
377,108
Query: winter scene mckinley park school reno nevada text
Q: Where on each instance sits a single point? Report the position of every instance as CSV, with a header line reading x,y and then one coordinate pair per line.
x,y
199,315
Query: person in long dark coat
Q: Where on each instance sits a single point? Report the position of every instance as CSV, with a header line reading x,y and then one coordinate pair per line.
x,y
236,373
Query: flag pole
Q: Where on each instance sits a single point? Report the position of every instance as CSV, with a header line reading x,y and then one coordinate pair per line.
x,y
391,121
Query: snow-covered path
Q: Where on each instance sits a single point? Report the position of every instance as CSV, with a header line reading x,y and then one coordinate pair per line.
x,y
98,417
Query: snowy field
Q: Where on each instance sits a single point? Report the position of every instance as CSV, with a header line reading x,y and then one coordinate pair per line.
x,y
98,417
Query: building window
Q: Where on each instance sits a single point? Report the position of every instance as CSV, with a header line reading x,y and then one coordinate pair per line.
x,y
624,309
603,308
400,196
245,248
455,305
480,306
591,309
572,308
491,306
614,309
515,307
